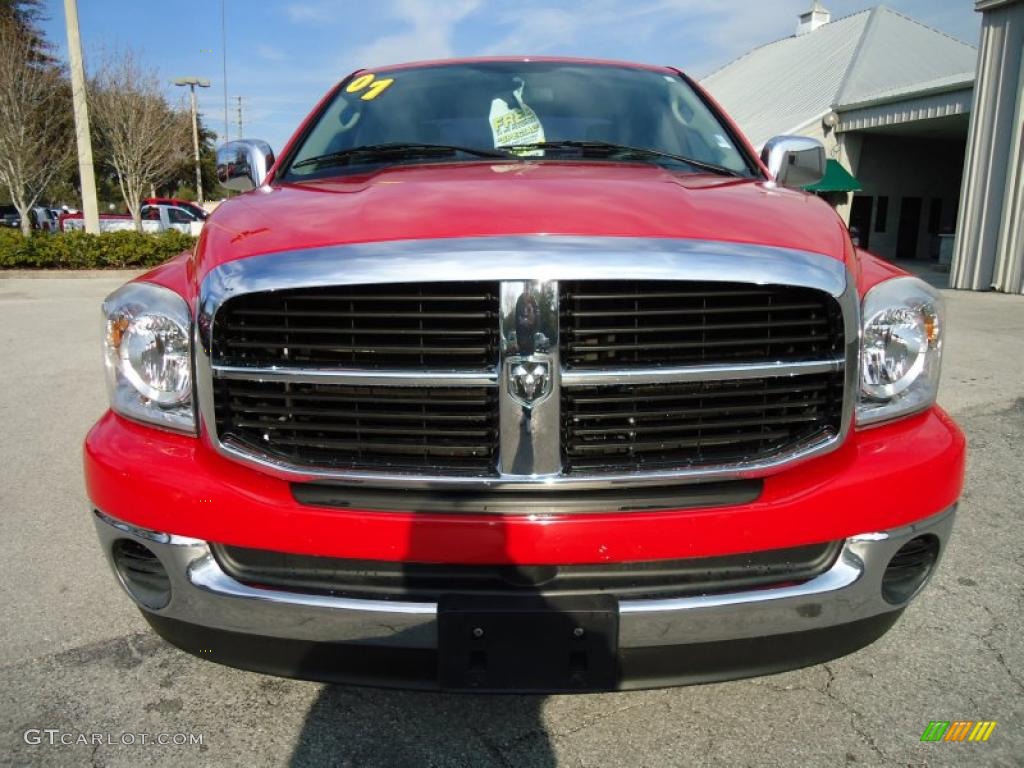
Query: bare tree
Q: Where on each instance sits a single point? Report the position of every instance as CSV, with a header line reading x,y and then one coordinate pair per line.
x,y
35,140
144,136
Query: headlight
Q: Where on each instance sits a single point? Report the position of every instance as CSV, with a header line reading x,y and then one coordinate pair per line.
x,y
147,346
901,349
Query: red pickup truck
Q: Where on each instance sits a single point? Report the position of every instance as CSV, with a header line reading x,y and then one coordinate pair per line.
x,y
523,375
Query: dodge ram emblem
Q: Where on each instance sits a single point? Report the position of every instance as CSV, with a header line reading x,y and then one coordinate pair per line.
x,y
529,379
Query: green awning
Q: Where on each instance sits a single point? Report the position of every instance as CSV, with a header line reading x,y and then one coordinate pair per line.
x,y
837,179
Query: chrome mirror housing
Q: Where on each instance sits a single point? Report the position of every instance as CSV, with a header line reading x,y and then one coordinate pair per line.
x,y
243,164
794,161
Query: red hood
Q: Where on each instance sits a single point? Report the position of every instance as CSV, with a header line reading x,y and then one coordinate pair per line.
x,y
481,199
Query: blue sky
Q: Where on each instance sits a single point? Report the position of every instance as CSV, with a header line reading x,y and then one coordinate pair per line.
x,y
283,55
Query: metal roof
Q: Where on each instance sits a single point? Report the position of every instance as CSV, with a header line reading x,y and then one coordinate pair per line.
x,y
785,85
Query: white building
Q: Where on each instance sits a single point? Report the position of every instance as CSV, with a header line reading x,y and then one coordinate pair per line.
x,y
990,239
891,98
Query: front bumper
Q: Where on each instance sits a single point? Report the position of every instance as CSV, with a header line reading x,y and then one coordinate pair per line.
x,y
660,641
879,479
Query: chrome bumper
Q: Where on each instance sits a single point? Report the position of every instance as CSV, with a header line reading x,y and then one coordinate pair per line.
x,y
203,594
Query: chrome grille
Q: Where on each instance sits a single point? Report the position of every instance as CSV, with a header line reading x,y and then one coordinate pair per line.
x,y
332,426
689,323
429,325
329,364
657,426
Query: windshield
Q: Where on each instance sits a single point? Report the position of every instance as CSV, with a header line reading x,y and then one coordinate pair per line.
x,y
507,107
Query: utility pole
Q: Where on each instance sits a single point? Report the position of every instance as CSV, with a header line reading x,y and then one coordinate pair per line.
x,y
192,82
224,62
86,175
241,133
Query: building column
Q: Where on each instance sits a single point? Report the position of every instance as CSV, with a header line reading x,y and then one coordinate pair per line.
x,y
989,249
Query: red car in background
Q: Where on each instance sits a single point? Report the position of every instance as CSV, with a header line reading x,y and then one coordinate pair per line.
x,y
523,375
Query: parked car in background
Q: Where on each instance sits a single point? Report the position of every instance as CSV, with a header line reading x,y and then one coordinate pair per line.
x,y
174,217
9,216
43,219
109,222
524,375
155,218
194,208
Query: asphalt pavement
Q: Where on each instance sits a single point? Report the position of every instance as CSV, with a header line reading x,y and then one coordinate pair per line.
x,y
76,657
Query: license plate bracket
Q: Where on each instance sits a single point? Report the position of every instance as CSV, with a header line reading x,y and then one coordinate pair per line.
x,y
528,644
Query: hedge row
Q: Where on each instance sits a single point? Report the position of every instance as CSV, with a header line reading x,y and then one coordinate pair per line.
x,y
77,250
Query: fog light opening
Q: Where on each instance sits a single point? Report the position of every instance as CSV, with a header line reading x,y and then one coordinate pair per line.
x,y
909,568
142,573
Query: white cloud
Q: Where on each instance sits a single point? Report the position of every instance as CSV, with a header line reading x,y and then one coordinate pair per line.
x,y
698,34
428,34
307,13
597,26
537,31
270,53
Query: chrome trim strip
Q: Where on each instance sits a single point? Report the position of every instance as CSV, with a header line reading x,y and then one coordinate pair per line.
x,y
202,593
528,257
540,258
569,378
667,375
850,590
204,573
145,533
361,378
420,481
530,443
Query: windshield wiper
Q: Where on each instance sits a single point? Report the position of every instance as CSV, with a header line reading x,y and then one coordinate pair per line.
x,y
396,149
608,148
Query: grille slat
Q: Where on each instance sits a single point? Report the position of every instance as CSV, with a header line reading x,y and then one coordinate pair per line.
x,y
690,311
373,350
380,447
619,396
668,444
703,424
641,345
366,331
705,327
365,414
729,409
356,427
242,312
331,396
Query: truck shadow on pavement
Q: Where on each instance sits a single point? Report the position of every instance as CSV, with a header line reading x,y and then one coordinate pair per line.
x,y
368,727
500,627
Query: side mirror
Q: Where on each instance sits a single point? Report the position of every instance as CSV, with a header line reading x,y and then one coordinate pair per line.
x,y
794,161
243,164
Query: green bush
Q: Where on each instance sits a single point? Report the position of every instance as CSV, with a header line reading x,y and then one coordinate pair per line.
x,y
77,250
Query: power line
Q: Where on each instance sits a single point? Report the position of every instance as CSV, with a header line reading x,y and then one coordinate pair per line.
x,y
224,60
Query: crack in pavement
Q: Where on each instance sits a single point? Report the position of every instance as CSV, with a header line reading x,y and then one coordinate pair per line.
x,y
595,720
855,716
987,641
